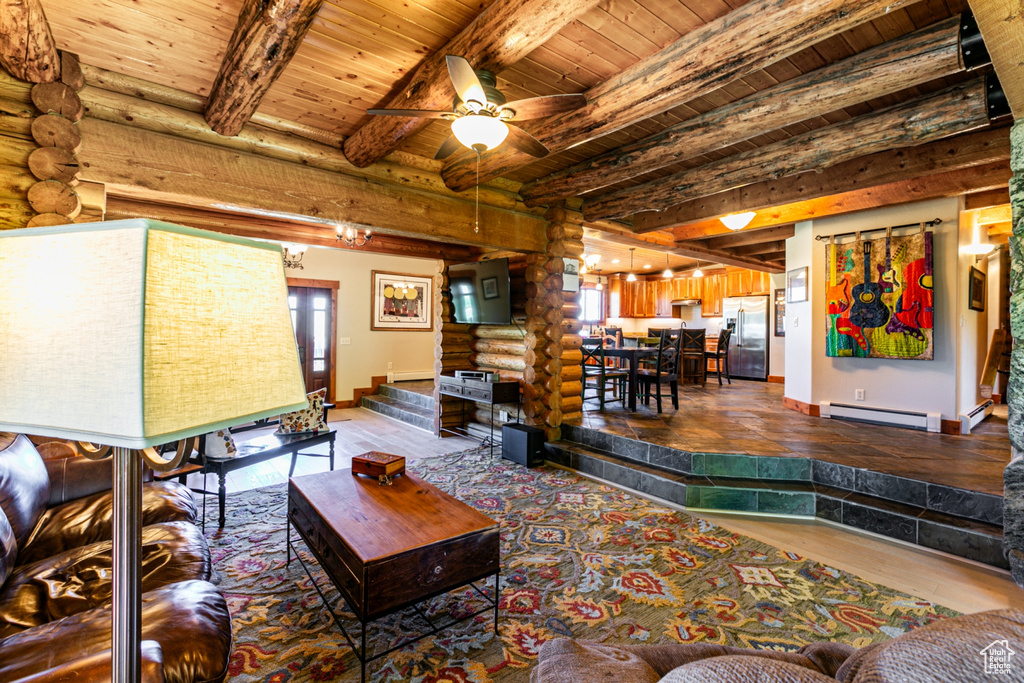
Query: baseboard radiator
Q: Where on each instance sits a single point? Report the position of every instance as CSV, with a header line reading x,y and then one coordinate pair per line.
x,y
925,422
971,419
405,376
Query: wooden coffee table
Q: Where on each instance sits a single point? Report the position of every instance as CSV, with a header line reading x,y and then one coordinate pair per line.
x,y
386,548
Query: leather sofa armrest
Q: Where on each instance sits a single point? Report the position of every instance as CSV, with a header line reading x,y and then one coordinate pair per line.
x,y
77,477
97,668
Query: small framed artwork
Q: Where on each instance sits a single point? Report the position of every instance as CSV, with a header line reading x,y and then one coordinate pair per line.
x,y
401,303
571,275
796,285
489,287
976,290
780,313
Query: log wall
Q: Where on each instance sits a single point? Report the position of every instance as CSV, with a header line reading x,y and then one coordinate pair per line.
x,y
451,351
39,144
570,225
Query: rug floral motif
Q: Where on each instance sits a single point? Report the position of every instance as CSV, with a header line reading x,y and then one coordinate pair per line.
x,y
579,559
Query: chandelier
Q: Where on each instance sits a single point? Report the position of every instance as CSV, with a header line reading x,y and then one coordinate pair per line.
x,y
292,255
351,237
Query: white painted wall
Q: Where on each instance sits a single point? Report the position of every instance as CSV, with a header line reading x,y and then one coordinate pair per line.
x,y
927,386
798,353
973,324
370,351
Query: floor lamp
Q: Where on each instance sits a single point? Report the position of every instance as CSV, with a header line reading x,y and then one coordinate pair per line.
x,y
136,333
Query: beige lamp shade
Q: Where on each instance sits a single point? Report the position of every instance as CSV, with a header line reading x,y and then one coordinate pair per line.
x,y
135,333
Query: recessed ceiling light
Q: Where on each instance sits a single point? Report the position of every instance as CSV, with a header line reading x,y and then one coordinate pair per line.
x,y
615,260
647,265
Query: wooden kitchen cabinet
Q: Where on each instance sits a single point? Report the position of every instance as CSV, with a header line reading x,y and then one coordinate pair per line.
x,y
712,290
747,283
663,298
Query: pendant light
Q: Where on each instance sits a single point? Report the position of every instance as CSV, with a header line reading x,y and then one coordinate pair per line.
x,y
599,287
668,271
631,277
698,273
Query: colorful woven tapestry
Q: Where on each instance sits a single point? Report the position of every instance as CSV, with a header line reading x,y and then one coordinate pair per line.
x,y
879,297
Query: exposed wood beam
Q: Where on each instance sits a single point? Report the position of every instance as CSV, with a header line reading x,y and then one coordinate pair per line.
x,y
265,39
138,164
747,39
27,50
760,249
1000,229
954,154
1002,27
991,215
692,251
901,192
500,36
170,120
982,200
957,109
284,231
928,54
750,236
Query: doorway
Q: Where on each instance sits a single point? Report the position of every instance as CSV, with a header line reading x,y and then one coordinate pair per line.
x,y
313,308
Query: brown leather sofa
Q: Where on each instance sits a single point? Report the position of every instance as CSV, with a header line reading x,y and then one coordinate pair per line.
x,y
949,651
55,578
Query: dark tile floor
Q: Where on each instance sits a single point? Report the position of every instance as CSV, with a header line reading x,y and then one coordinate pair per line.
x,y
748,417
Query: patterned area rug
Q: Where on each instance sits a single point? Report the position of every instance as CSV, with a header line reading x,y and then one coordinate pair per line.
x,y
578,560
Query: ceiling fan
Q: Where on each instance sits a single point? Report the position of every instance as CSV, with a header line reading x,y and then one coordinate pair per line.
x,y
481,117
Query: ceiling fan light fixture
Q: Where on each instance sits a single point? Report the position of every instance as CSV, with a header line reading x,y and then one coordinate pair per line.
x,y
474,130
738,221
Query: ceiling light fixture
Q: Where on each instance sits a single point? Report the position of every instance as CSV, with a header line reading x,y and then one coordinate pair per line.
x,y
976,247
738,221
615,260
292,255
599,285
631,277
351,238
668,271
480,132
698,272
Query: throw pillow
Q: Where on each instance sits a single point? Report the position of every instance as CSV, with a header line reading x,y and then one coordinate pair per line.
x,y
220,445
743,668
308,420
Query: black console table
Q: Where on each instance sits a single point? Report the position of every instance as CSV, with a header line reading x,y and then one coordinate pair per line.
x,y
479,391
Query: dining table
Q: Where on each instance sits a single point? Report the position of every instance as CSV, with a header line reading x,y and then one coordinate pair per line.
x,y
632,354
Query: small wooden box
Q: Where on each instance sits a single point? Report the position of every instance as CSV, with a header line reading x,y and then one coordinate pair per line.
x,y
382,466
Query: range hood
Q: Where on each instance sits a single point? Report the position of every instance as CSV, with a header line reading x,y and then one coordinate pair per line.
x,y
686,302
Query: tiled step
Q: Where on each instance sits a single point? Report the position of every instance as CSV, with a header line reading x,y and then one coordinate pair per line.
x,y
410,413
396,391
981,507
660,477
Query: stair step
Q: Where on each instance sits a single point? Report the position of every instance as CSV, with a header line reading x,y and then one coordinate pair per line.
x,y
400,393
409,413
981,507
975,540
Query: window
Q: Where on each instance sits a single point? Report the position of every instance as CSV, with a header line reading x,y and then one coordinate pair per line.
x,y
592,305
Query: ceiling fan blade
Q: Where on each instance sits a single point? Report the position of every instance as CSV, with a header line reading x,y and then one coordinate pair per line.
x,y
539,107
448,147
420,113
465,80
524,142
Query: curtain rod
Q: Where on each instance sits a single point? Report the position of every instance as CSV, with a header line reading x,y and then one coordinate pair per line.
x,y
931,223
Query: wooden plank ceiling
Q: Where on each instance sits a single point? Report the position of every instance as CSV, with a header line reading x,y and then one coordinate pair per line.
x,y
360,54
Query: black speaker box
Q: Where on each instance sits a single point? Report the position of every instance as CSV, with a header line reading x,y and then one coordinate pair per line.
x,y
523,444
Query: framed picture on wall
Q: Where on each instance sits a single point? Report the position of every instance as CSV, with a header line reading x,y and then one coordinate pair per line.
x,y
780,313
976,290
401,302
489,287
796,285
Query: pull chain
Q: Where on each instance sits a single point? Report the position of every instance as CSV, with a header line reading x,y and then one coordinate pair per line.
x,y
477,228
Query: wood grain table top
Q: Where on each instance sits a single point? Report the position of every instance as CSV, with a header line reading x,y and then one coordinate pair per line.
x,y
382,521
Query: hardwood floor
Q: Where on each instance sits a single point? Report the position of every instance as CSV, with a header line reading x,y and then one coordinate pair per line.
x,y
748,417
958,584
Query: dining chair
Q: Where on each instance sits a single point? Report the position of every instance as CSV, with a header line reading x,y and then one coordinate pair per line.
x,y
665,371
694,365
616,333
594,368
721,355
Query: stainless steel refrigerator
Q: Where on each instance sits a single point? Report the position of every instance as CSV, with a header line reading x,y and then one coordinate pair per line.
x,y
748,348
